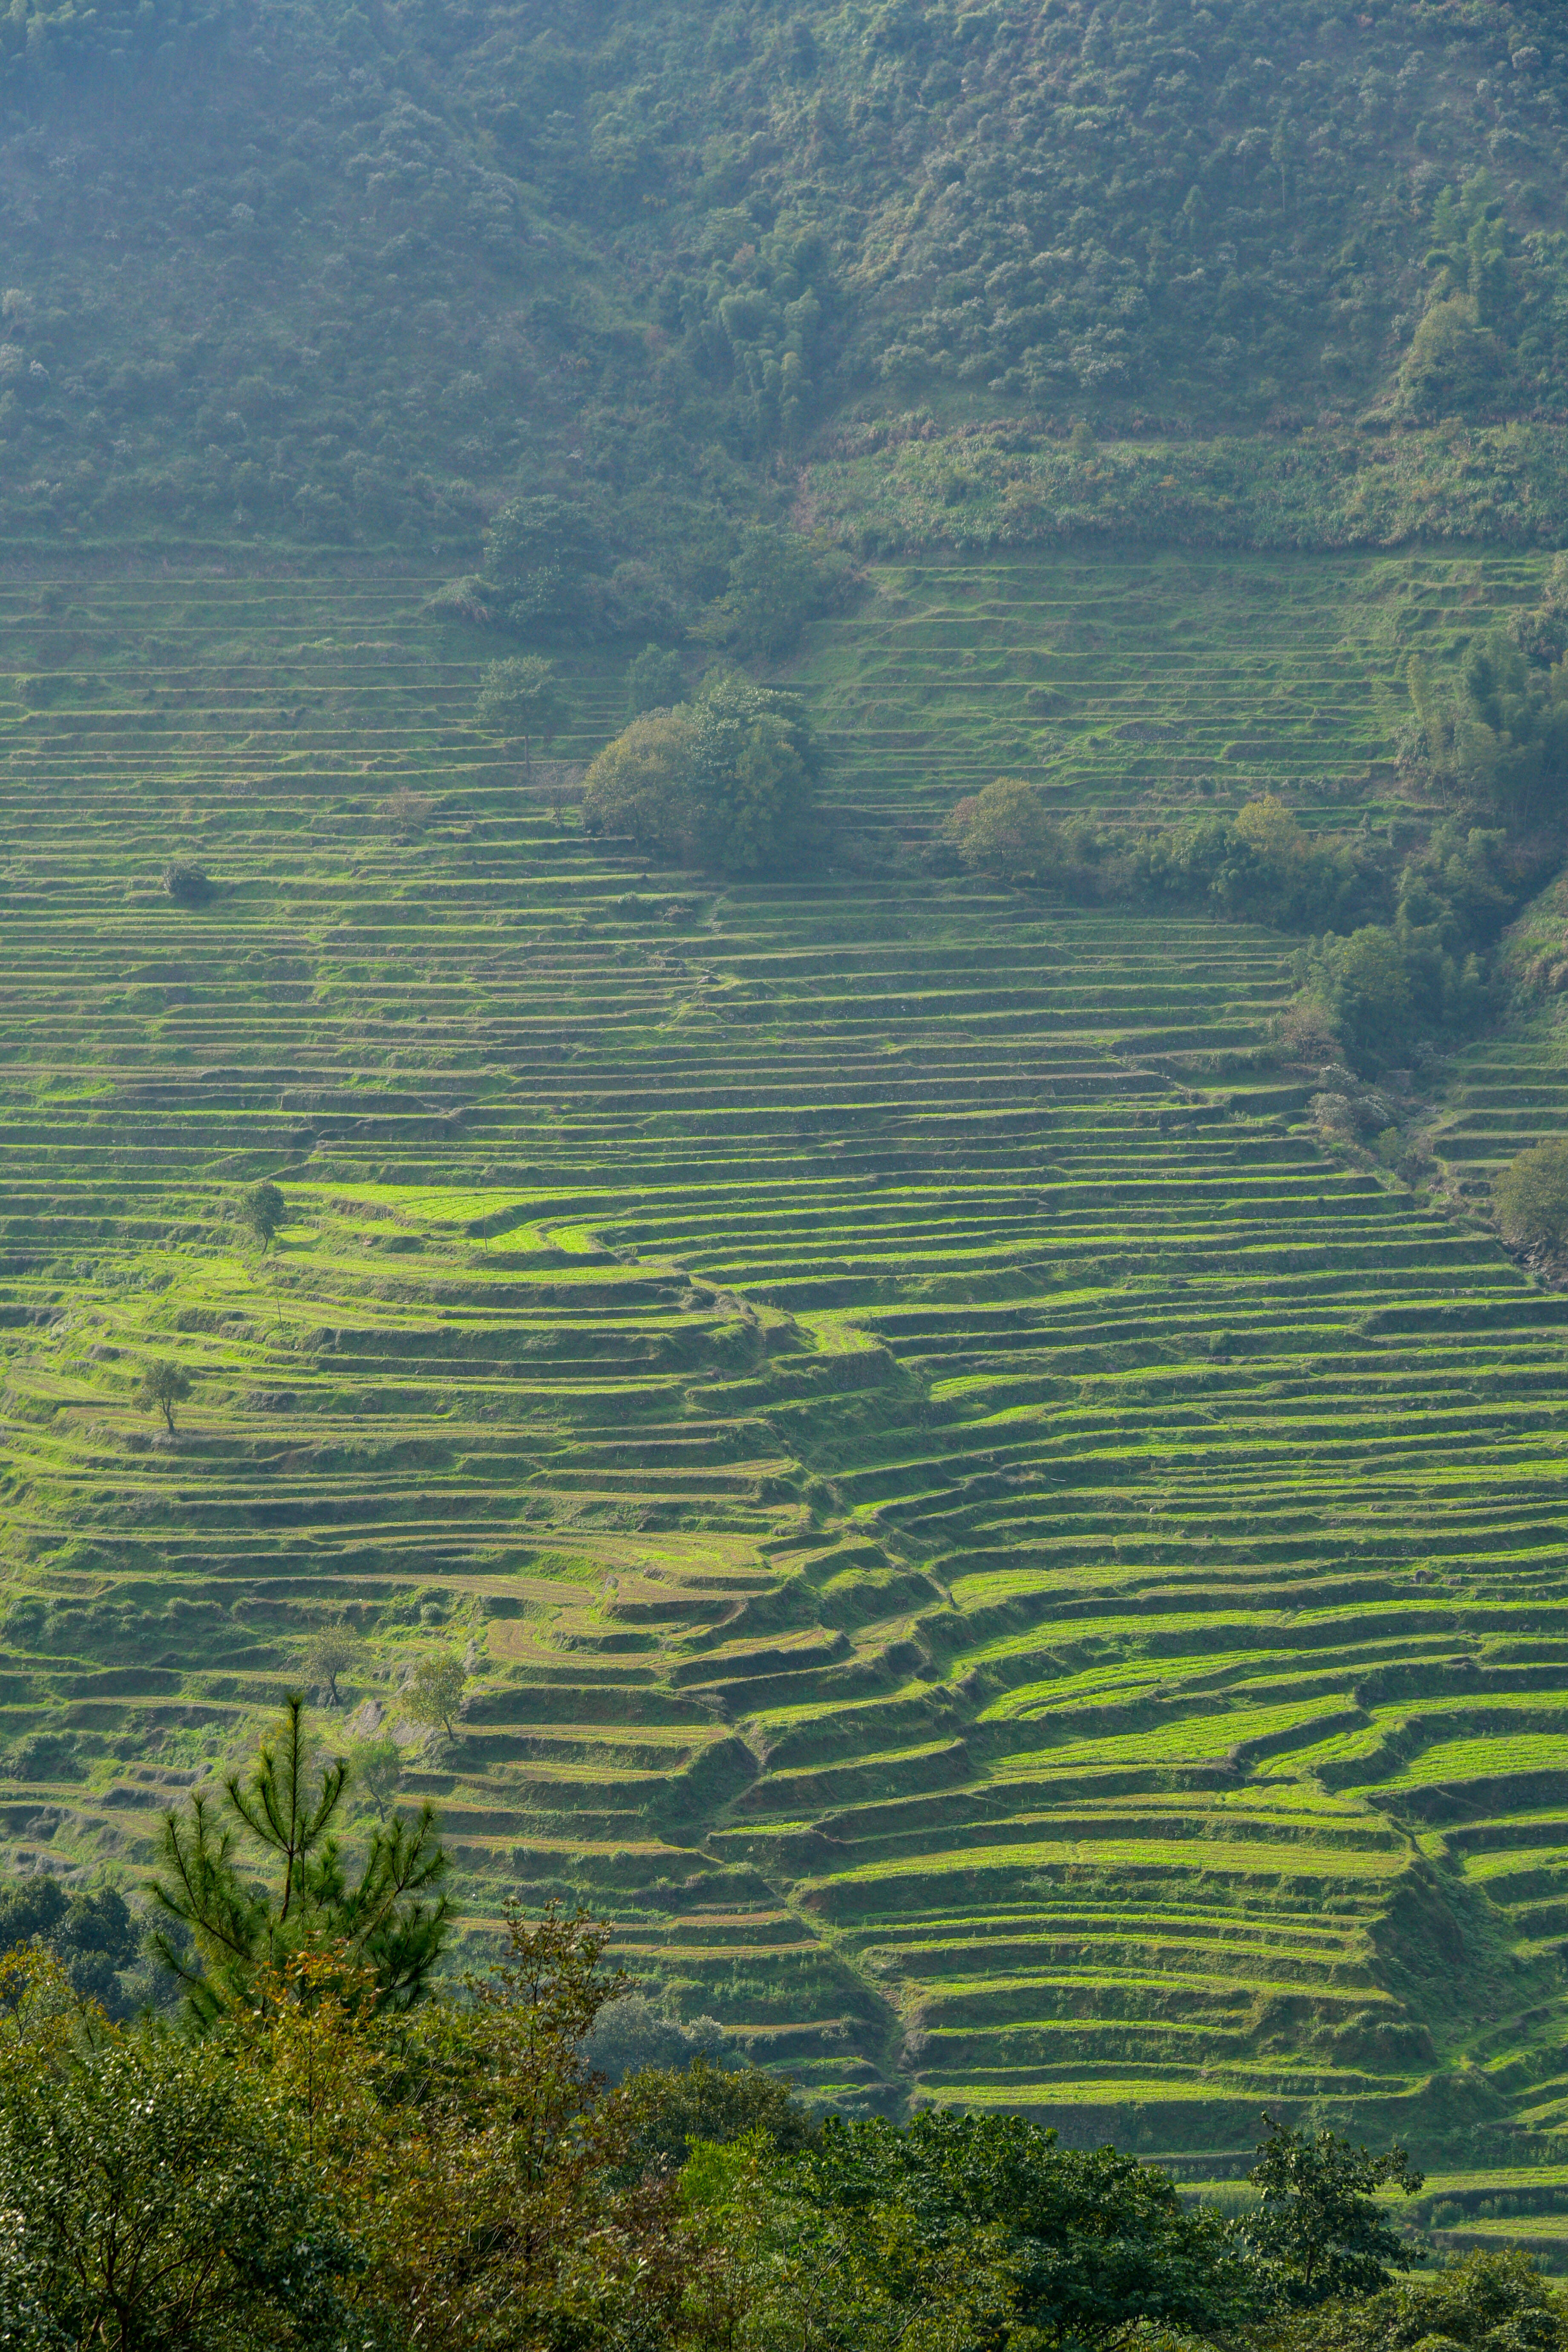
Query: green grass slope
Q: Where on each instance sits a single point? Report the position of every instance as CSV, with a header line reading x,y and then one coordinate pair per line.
x,y
1008,1575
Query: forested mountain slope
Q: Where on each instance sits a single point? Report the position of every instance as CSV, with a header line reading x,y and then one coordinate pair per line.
x,y
349,274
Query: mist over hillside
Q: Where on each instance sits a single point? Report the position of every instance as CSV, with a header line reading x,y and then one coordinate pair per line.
x,y
345,275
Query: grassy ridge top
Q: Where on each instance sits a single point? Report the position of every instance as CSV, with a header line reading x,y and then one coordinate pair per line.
x,y
345,275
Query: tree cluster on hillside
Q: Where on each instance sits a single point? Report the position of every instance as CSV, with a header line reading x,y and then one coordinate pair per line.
x,y
1260,864
338,276
1495,742
725,780
337,2145
1398,951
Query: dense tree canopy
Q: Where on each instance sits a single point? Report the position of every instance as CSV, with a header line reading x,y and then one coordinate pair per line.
x,y
336,2148
604,273
724,781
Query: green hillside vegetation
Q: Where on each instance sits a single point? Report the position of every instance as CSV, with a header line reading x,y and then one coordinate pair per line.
x,y
350,278
308,2163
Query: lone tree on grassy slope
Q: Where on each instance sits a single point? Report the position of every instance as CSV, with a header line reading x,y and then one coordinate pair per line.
x,y
724,781
1005,831
376,1766
334,1650
262,1209
521,696
164,1386
229,1926
1532,1197
435,1691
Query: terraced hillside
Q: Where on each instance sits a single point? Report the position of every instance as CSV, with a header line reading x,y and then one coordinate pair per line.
x,y
1142,683
1008,1574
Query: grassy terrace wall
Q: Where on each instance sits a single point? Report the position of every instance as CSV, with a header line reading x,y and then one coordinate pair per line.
x,y
1008,1576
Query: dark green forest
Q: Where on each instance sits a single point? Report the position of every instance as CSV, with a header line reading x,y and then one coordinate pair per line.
x,y
348,276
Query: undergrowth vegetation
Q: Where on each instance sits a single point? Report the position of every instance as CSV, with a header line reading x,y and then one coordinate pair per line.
x,y
305,2165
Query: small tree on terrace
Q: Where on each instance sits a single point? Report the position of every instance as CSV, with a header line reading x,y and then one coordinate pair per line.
x,y
521,696
1532,1197
1005,831
334,1650
164,1386
377,1766
262,1209
435,1691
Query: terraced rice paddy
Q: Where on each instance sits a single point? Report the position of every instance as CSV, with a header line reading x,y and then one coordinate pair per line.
x,y
1009,1576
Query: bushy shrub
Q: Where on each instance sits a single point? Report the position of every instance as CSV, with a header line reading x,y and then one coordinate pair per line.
x,y
471,598
186,884
654,682
630,2034
1307,1031
546,555
777,583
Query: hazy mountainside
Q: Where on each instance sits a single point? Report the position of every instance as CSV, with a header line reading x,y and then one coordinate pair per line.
x,y
350,275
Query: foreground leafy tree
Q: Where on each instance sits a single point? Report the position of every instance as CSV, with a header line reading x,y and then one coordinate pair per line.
x,y
725,782
151,2197
1487,2303
164,1385
467,2148
1317,2232
1095,2245
803,2264
1531,1196
223,1928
